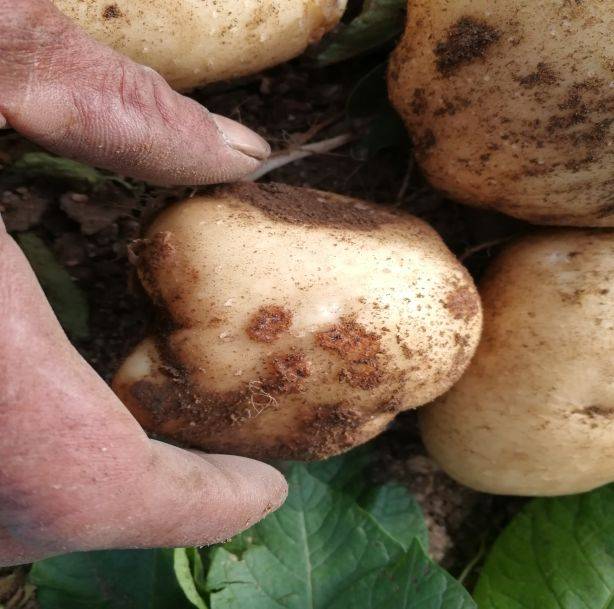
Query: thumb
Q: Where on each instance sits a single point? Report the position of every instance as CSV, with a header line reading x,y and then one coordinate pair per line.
x,y
80,99
195,499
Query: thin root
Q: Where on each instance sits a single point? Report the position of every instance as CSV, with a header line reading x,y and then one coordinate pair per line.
x,y
279,159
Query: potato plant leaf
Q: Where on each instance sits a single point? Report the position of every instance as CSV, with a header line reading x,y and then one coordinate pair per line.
x,y
131,579
66,299
397,513
379,22
556,554
395,510
43,165
189,571
322,550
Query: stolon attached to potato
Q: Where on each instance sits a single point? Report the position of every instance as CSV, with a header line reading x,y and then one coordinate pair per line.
x,y
294,323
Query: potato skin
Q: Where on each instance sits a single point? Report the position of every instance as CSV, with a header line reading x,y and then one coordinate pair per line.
x,y
296,324
511,106
534,413
195,42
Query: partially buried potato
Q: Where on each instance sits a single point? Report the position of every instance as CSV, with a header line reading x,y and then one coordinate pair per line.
x,y
534,413
194,42
295,323
511,104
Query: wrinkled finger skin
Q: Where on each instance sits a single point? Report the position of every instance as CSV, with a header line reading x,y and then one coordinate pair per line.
x,y
80,99
77,471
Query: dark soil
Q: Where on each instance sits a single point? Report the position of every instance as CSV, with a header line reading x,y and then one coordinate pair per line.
x,y
292,104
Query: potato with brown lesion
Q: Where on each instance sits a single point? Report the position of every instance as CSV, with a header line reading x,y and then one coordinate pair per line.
x,y
195,42
511,106
534,413
296,323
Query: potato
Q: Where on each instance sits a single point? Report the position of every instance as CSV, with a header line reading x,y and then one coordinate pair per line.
x,y
194,42
534,413
511,104
297,323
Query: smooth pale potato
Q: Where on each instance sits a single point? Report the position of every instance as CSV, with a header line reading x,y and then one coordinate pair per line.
x,y
296,323
534,413
194,42
510,104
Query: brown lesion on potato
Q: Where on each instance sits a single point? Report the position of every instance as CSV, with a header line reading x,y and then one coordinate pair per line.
x,y
150,256
467,40
215,322
575,165
605,211
462,356
360,349
269,323
391,405
325,430
112,11
196,412
450,107
288,373
408,354
584,122
318,432
181,402
565,121
543,75
577,91
419,103
462,303
597,411
424,142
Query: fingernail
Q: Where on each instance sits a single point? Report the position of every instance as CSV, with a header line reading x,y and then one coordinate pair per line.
x,y
3,123
241,138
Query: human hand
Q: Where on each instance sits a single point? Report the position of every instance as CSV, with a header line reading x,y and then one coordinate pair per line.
x,y
76,470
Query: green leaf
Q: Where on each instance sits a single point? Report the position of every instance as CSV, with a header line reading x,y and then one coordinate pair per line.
x,y
379,22
134,579
397,512
189,570
391,505
347,473
66,299
43,165
413,582
321,550
556,554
